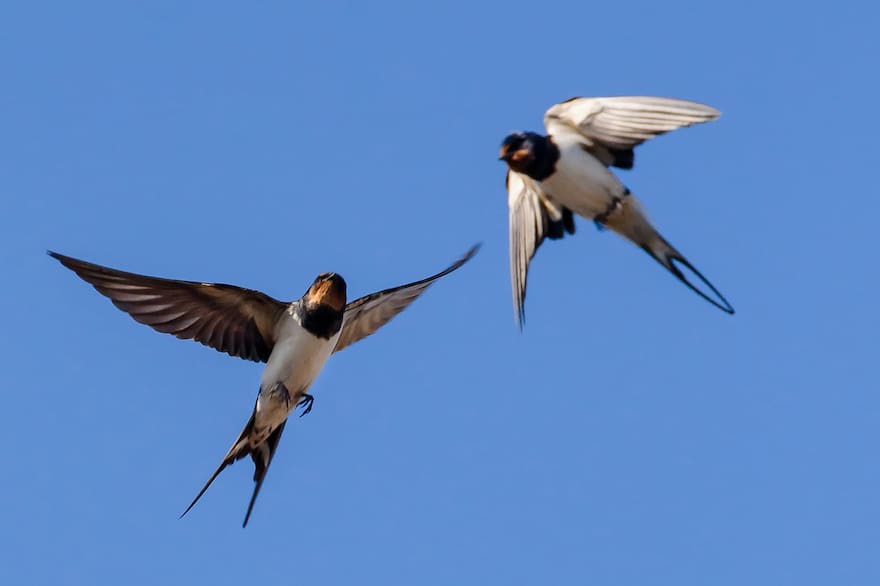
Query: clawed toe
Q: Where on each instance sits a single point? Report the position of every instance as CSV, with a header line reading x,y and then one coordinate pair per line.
x,y
306,402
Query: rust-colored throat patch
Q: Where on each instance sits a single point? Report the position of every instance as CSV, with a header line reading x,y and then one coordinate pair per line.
x,y
328,289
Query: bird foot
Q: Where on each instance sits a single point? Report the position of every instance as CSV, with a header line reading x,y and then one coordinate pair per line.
x,y
306,402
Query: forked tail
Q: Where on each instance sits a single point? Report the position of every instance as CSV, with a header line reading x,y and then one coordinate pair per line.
x,y
629,221
666,254
239,450
261,454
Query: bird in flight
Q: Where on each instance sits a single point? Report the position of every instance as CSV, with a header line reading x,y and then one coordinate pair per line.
x,y
550,178
293,338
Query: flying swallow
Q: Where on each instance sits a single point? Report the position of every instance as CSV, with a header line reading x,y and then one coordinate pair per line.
x,y
550,178
294,338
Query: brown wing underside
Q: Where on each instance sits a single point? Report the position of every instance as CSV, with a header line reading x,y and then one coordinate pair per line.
x,y
369,313
237,321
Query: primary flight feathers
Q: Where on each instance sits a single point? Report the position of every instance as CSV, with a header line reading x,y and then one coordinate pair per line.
x,y
625,122
369,313
238,321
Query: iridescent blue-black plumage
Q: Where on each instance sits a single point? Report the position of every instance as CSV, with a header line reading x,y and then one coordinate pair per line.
x,y
530,153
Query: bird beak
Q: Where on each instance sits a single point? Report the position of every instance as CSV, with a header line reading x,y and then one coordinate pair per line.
x,y
504,155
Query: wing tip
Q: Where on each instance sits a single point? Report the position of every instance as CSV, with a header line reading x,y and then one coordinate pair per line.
x,y
710,112
473,250
519,307
66,261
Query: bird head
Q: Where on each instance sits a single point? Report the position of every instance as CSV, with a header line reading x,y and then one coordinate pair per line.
x,y
518,150
328,289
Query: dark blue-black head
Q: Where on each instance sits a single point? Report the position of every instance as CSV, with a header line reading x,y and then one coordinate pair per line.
x,y
528,153
513,143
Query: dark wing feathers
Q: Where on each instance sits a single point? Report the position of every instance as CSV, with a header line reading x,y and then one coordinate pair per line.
x,y
622,158
366,315
230,319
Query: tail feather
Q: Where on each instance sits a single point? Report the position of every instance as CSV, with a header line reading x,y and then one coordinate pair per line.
x,y
239,450
667,255
630,221
262,457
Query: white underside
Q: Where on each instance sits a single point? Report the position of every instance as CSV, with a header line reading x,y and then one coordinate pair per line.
x,y
581,182
296,360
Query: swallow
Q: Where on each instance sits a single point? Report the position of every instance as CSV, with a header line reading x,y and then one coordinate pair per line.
x,y
294,338
552,177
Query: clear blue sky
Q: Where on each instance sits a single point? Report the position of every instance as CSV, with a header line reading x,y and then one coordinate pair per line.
x,y
634,435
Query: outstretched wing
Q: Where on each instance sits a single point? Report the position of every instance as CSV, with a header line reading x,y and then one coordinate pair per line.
x,y
366,315
615,125
240,322
532,218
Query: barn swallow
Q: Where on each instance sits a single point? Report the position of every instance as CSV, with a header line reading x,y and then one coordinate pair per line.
x,y
550,178
294,338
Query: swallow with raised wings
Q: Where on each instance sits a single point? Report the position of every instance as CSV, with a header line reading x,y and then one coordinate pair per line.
x,y
294,339
550,178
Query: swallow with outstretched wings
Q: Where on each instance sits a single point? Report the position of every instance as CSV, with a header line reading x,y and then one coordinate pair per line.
x,y
294,339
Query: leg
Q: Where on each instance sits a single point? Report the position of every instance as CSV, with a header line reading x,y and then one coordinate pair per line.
x,y
281,392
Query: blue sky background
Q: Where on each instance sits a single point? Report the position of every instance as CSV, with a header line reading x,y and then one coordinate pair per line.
x,y
632,435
